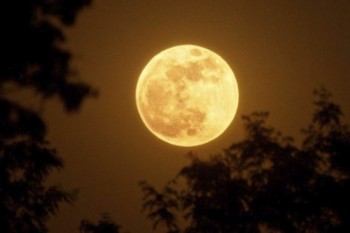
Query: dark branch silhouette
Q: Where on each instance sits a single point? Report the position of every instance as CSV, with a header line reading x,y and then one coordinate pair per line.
x,y
25,202
104,225
32,52
159,204
264,183
33,58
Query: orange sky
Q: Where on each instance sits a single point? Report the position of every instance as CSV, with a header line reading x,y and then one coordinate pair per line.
x,y
279,50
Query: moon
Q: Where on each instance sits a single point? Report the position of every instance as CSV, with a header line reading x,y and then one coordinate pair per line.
x,y
187,95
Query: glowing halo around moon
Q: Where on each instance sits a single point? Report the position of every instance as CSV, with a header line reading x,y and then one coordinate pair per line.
x,y
187,95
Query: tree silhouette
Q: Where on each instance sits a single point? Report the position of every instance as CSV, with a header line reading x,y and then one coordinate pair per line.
x,y
32,49
264,183
104,225
159,205
33,58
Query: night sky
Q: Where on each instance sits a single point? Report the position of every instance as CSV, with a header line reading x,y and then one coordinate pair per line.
x,y
280,51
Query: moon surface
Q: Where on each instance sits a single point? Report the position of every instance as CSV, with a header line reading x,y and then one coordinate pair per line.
x,y
187,95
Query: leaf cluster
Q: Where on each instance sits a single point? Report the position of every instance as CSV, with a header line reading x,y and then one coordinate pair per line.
x,y
104,225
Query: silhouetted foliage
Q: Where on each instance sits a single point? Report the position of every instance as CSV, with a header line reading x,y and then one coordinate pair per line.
x,y
33,57
32,52
264,183
16,121
159,204
25,201
104,225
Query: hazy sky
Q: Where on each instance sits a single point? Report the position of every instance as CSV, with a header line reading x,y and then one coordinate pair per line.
x,y
279,51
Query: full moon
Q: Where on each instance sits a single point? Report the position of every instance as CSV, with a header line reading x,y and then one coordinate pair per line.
x,y
187,95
